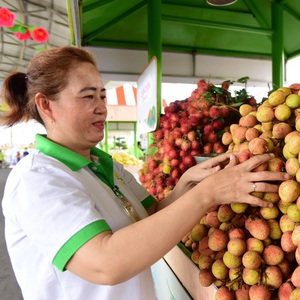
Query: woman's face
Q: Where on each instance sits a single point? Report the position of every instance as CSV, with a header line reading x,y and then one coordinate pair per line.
x,y
80,111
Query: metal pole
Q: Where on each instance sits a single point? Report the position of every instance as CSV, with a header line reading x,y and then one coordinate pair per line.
x,y
106,137
155,47
278,57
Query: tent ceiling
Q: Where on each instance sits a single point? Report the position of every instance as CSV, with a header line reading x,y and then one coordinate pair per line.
x,y
50,14
243,29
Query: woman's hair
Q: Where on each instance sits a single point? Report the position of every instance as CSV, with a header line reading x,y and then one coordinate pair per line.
x,y
47,73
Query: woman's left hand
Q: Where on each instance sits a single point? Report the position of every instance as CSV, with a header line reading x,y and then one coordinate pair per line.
x,y
208,167
196,174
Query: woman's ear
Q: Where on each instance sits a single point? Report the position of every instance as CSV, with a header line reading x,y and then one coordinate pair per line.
x,y
43,105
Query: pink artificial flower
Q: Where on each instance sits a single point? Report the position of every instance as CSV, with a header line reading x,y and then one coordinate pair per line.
x,y
23,36
7,18
40,35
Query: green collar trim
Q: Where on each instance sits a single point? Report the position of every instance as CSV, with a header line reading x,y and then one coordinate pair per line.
x,y
69,158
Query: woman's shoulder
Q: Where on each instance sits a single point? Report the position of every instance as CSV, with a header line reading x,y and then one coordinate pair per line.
x,y
36,161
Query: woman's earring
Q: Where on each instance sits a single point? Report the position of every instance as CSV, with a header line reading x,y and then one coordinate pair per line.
x,y
52,124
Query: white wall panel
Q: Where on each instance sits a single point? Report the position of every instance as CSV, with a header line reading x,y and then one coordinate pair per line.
x,y
234,68
126,65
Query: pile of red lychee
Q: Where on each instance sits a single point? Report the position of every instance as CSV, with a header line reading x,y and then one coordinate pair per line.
x,y
250,252
189,128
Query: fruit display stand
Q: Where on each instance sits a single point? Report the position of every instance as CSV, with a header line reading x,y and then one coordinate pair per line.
x,y
237,249
133,169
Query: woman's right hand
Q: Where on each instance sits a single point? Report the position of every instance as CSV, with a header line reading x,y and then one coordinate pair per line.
x,y
236,183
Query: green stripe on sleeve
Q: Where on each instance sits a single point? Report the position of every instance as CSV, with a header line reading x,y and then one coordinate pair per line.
x,y
148,201
76,241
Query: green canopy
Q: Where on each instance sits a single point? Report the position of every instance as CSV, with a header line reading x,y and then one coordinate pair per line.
x,y
264,29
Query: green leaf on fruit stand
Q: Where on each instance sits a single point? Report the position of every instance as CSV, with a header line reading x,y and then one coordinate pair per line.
x,y
243,79
218,90
184,249
229,97
200,136
152,151
236,104
220,133
240,96
207,95
228,81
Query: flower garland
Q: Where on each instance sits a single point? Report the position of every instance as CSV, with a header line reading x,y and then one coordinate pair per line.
x,y
22,31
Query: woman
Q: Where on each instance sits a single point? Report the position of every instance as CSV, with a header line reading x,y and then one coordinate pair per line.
x,y
77,225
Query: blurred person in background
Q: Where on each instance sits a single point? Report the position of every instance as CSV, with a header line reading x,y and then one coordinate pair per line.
x,y
25,152
139,151
2,163
18,156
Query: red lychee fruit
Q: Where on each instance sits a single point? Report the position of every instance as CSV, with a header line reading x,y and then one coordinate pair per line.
x,y
217,125
195,94
272,277
258,292
224,112
225,84
175,174
214,112
224,293
182,167
206,278
186,145
218,147
192,135
242,293
185,128
296,277
218,240
195,152
174,117
152,164
295,87
194,120
212,219
158,134
258,228
172,153
285,290
207,129
252,101
213,137
203,247
196,145
208,148
174,162
159,180
237,233
178,142
189,160
177,133
273,255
